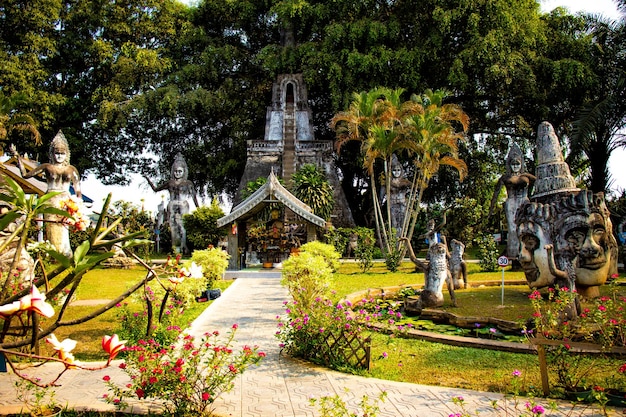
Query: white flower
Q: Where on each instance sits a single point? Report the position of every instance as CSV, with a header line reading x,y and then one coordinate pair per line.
x,y
195,271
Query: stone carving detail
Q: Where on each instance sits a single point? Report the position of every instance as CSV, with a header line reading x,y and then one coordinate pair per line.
x,y
517,183
458,267
566,235
181,189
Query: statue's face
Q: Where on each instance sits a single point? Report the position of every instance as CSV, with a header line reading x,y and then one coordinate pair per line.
x,y
534,259
516,166
60,155
179,172
396,171
589,241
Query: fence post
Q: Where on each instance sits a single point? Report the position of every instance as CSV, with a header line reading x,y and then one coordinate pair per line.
x,y
543,368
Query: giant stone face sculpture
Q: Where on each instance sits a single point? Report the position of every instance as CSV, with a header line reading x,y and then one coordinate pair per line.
x,y
574,224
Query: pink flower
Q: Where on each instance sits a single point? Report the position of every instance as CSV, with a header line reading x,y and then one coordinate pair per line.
x,y
36,301
235,326
517,373
112,345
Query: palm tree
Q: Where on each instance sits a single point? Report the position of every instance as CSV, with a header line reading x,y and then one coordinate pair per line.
x,y
12,119
598,129
375,118
423,128
436,139
312,188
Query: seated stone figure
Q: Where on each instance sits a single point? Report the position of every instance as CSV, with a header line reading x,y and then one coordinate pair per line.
x,y
436,275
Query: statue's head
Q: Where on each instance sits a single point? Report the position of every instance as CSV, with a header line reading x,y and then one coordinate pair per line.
x,y
583,233
179,168
397,170
533,234
515,160
59,152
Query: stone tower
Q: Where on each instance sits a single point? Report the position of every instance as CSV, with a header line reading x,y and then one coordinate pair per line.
x,y
289,143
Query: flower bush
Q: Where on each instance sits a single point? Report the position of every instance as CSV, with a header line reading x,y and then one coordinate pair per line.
x,y
177,286
185,377
606,319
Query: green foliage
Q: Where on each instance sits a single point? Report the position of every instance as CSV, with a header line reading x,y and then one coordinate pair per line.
x,y
487,252
213,262
312,188
201,226
307,276
134,219
335,406
324,250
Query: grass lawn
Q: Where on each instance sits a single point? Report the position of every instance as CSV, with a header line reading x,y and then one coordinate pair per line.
x,y
106,284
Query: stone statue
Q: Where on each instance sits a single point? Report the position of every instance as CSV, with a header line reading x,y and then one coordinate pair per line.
x,y
566,233
533,232
517,182
432,234
59,176
399,188
180,189
458,267
436,275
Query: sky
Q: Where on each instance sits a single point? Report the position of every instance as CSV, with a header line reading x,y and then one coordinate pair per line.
x,y
140,193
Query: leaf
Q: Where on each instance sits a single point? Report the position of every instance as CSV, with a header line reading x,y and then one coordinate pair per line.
x,y
81,251
91,261
60,258
8,219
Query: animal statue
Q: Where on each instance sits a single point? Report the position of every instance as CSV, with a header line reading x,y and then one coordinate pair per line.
x,y
458,267
436,275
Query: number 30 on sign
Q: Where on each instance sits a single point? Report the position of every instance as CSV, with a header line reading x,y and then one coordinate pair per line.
x,y
503,261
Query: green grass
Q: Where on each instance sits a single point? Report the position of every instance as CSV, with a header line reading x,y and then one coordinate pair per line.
x,y
107,284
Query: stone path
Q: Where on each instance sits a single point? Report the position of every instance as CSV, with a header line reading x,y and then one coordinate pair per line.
x,y
281,386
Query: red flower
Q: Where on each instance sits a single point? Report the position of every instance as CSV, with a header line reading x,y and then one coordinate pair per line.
x,y
206,396
106,378
622,368
140,393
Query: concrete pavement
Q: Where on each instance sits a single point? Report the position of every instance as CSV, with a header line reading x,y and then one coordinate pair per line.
x,y
281,386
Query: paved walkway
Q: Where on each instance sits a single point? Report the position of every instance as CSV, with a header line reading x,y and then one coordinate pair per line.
x,y
280,386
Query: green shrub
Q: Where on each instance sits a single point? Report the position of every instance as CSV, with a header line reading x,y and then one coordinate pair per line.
x,y
325,250
487,253
213,261
307,276
201,226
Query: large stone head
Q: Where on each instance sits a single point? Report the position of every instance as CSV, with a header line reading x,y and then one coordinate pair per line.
x,y
583,233
533,232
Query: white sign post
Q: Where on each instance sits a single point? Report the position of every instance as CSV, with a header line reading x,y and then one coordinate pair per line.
x,y
503,262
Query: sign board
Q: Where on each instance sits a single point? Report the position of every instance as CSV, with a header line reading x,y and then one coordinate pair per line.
x,y
503,261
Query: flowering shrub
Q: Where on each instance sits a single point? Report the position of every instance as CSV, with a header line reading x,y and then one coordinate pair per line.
x,y
187,376
325,250
303,331
550,316
178,286
307,277
606,320
508,406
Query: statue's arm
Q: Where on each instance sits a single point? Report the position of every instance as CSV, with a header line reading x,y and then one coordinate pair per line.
x,y
76,183
421,265
552,265
155,188
494,198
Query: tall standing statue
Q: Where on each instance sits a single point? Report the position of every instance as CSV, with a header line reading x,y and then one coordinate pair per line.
x,y
180,189
517,183
399,188
59,176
